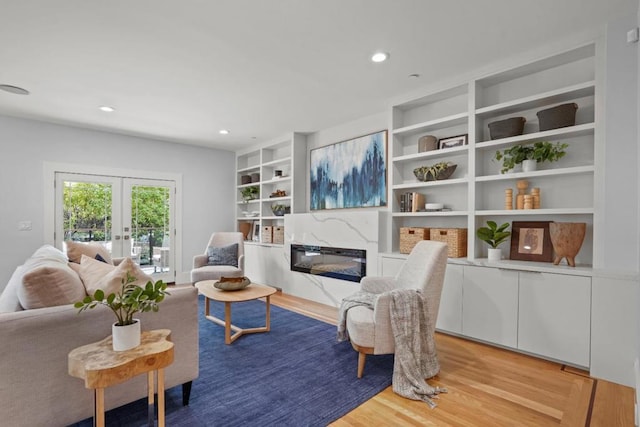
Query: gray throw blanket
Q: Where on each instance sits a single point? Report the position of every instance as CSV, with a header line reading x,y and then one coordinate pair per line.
x,y
415,357
415,353
359,298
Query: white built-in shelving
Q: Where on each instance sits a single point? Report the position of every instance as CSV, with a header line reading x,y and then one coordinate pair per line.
x,y
475,192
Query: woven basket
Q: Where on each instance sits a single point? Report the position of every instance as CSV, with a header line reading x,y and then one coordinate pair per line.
x,y
410,236
278,235
455,238
505,128
267,234
558,117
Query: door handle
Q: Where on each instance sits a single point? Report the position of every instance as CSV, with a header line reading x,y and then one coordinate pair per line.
x,y
126,237
117,237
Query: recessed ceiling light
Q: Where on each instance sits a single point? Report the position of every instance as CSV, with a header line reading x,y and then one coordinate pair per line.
x,y
224,132
14,89
107,109
379,57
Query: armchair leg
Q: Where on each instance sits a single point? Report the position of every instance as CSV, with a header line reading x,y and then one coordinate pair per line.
x,y
361,359
362,355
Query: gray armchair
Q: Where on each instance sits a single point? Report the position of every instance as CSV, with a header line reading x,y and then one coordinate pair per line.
x,y
205,267
370,330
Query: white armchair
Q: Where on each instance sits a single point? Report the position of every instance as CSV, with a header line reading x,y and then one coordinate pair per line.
x,y
203,269
370,330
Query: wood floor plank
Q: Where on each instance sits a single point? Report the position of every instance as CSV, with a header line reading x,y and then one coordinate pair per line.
x,y
488,386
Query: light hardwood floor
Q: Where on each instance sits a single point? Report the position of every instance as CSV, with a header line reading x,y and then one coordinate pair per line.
x,y
488,386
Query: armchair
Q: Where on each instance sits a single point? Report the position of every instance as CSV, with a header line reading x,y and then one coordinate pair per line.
x,y
210,266
369,330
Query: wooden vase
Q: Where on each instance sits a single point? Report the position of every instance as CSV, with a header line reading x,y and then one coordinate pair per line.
x,y
567,238
245,229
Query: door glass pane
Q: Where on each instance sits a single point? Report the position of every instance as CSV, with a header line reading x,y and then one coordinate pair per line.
x,y
87,212
150,228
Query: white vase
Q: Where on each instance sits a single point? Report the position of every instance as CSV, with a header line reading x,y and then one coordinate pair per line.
x,y
529,165
494,254
126,337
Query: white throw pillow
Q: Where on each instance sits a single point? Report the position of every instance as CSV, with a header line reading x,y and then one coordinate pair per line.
x,y
9,298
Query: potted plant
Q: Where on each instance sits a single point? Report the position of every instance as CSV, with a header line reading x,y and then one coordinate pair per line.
x,y
530,155
280,210
494,236
131,299
250,193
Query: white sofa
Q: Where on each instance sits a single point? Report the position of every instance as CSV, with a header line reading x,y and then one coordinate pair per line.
x,y
35,387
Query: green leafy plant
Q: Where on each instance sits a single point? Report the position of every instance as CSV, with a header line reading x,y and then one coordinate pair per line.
x,y
541,151
492,234
250,193
130,300
280,210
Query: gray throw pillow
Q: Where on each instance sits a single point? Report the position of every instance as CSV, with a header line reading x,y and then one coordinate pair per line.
x,y
224,255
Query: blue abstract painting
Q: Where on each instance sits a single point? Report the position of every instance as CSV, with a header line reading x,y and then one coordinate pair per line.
x,y
350,174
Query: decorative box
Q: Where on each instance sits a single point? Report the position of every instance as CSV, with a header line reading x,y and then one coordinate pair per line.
x,y
278,235
410,236
455,238
267,234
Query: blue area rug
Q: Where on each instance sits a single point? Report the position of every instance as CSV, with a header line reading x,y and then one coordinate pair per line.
x,y
294,375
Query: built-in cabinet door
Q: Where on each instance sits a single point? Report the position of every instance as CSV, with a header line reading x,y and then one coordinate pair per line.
x,y
490,305
389,266
450,312
554,316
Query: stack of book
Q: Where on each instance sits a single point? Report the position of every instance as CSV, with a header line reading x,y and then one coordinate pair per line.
x,y
412,202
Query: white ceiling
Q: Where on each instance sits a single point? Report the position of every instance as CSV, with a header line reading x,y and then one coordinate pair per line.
x,y
181,70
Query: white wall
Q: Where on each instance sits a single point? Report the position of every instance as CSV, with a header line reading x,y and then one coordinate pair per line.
x,y
25,145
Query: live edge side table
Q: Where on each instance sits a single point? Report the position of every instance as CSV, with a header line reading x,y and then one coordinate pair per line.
x,y
100,367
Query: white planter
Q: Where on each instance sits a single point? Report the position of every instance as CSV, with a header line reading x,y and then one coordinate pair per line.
x,y
126,337
529,165
495,254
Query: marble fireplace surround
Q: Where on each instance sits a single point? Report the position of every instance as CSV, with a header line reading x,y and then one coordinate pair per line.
x,y
350,229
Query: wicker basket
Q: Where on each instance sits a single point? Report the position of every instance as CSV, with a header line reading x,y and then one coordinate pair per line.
x,y
278,235
455,238
558,117
410,236
505,128
267,234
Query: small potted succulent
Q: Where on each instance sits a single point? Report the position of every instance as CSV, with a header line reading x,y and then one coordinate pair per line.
x,y
494,236
125,303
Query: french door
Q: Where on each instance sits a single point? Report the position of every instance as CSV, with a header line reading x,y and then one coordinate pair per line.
x,y
130,217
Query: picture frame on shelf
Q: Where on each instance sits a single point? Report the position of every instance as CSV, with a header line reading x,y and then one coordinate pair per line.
x,y
255,235
349,174
531,241
453,141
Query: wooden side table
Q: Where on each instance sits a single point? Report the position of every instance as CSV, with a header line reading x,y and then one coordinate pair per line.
x,y
100,367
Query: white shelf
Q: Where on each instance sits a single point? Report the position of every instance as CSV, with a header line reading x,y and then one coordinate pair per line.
x,y
447,152
567,132
277,199
536,174
540,100
520,212
453,120
282,161
277,180
421,184
423,214
255,168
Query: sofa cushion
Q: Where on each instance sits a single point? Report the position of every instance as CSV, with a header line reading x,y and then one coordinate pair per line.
x,y
9,298
47,283
95,250
99,275
223,255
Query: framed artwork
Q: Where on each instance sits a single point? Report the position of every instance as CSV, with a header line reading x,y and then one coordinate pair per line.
x,y
453,141
531,241
255,236
350,174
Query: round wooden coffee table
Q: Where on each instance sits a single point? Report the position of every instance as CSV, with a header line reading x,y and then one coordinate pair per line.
x,y
251,292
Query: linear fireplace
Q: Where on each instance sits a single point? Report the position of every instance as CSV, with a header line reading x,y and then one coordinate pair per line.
x,y
339,263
